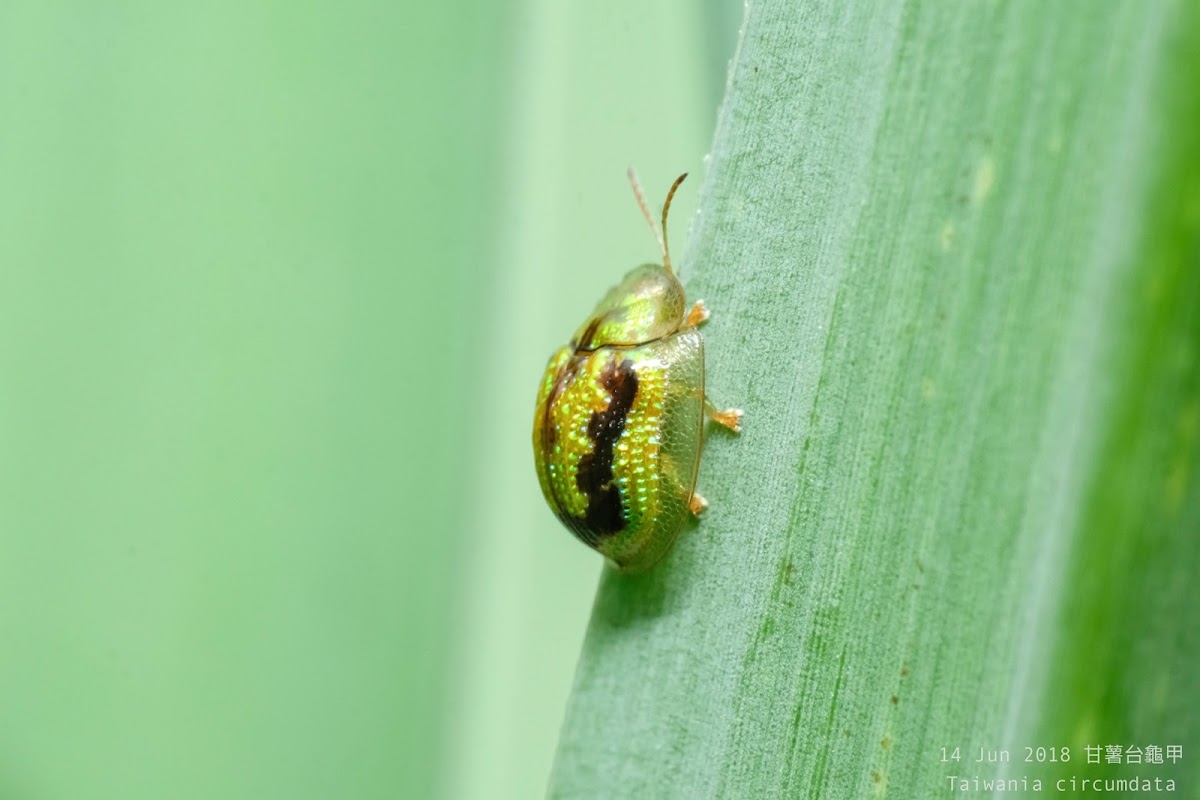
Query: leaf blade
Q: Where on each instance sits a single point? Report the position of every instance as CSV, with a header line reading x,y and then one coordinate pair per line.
x,y
917,224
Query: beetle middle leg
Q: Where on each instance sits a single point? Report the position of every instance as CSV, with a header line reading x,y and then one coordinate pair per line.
x,y
698,314
731,417
697,505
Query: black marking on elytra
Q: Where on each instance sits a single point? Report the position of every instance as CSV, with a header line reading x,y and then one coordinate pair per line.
x,y
566,374
550,433
586,338
605,515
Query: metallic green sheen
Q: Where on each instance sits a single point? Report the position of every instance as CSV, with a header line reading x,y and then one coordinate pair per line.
x,y
647,304
622,406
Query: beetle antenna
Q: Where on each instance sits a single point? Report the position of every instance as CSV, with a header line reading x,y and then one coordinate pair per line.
x,y
641,201
666,207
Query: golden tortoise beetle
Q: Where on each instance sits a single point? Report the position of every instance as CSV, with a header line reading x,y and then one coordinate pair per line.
x,y
621,412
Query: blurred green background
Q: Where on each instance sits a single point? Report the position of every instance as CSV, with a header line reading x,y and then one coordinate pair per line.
x,y
277,283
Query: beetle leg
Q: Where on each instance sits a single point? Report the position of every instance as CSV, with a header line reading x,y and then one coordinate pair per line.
x,y
731,417
698,314
697,504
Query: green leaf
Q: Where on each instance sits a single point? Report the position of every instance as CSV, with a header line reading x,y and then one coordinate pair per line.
x,y
952,253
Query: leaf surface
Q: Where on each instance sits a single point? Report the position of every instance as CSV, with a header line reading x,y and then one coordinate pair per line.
x,y
952,253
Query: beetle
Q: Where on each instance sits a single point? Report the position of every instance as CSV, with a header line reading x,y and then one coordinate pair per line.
x,y
621,411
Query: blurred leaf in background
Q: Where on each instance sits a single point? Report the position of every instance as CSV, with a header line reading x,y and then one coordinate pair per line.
x,y
244,250
277,282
